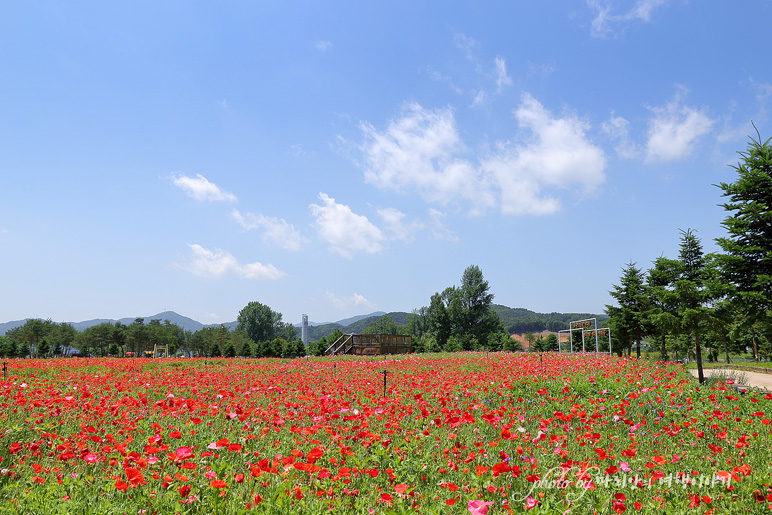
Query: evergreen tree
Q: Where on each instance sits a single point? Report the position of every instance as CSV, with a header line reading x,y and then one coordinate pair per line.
x,y
317,348
230,349
275,348
7,347
747,262
419,344
43,348
453,345
510,344
692,292
432,345
661,300
495,342
298,349
629,317
551,342
246,349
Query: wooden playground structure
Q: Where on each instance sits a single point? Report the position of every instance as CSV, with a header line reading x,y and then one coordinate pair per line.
x,y
371,344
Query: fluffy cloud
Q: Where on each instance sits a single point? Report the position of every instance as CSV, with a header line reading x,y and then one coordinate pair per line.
x,y
275,231
417,153
674,129
606,15
397,228
345,231
421,151
558,155
616,128
201,189
347,302
438,228
218,263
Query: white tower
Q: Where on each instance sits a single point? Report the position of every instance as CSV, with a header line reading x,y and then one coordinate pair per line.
x,y
304,331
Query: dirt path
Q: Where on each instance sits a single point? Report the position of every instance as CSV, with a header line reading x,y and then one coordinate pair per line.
x,y
754,378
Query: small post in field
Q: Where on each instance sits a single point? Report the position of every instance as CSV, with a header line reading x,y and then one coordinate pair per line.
x,y
385,373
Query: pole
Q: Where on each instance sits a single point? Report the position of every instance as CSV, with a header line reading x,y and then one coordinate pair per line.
x,y
384,382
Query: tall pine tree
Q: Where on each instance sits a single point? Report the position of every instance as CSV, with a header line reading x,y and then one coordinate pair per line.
x,y
747,262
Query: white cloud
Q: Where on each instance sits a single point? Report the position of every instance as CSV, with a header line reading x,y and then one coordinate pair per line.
x,y
465,44
438,228
322,45
502,79
296,150
419,152
347,302
740,131
439,77
606,14
201,189
394,224
616,128
479,98
218,263
345,231
275,231
674,130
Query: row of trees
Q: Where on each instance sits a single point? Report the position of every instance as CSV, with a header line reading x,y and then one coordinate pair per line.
x,y
44,338
718,300
459,318
260,333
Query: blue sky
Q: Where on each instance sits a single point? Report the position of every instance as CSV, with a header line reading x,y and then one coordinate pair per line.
x,y
338,158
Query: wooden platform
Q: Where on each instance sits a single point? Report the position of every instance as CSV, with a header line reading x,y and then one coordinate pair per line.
x,y
371,344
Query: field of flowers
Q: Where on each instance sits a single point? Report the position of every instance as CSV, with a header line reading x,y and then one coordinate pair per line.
x,y
457,433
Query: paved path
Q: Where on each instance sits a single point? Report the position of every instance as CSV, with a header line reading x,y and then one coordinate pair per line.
x,y
754,378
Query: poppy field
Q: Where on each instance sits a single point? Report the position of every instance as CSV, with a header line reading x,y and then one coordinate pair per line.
x,y
479,433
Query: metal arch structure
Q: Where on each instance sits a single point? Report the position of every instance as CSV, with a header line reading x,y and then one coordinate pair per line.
x,y
589,327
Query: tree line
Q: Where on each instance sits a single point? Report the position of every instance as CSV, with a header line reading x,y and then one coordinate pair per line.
x,y
719,301
260,333
459,318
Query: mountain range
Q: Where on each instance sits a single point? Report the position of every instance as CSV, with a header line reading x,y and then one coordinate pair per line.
x,y
515,320
191,325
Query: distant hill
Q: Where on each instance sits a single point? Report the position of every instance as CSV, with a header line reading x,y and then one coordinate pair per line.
x,y
354,320
356,327
184,322
515,320
520,320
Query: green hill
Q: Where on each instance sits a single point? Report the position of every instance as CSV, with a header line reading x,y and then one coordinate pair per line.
x,y
521,320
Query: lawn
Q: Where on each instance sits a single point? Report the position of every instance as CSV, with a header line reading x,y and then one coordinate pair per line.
x,y
448,433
